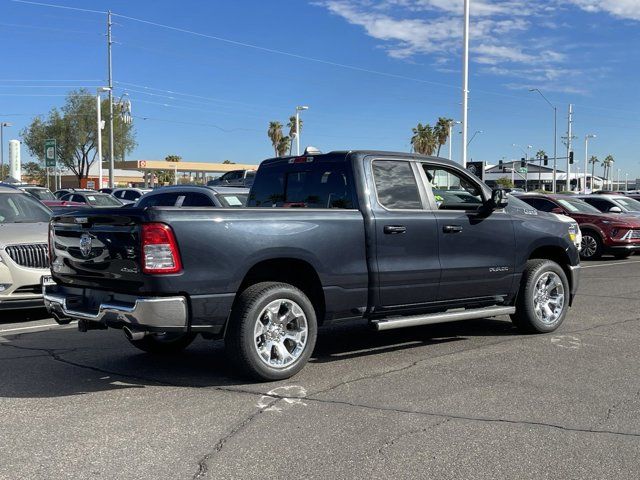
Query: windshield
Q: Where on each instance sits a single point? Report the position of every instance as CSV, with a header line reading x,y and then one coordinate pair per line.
x,y
233,199
577,206
628,203
22,208
102,201
41,193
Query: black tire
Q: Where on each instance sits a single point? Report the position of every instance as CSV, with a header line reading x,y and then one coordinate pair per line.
x,y
525,318
591,245
163,343
622,256
242,347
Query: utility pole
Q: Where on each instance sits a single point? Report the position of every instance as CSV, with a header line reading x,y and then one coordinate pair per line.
x,y
569,137
111,143
465,83
451,124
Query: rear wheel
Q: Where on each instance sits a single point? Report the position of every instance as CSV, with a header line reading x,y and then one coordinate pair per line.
x,y
543,299
591,246
163,343
272,331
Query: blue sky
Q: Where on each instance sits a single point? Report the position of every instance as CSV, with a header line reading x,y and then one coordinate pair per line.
x,y
368,69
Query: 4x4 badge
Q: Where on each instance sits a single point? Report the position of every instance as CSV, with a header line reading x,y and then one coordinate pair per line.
x,y
85,244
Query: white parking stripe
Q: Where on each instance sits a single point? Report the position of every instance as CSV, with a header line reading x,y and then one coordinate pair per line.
x,y
624,262
45,327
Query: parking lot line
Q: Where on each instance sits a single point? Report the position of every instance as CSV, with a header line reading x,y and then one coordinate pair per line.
x,y
624,262
45,327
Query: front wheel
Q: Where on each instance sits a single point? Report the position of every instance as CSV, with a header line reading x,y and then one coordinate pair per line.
x,y
272,331
591,246
163,343
543,299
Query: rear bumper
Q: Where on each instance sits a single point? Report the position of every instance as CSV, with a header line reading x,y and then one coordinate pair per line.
x,y
162,314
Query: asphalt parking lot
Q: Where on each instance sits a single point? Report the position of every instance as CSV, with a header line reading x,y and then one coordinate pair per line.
x,y
463,400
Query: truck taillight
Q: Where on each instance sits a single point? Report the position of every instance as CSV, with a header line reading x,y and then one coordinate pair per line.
x,y
159,249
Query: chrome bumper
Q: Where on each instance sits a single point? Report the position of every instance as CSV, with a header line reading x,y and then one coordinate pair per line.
x,y
146,313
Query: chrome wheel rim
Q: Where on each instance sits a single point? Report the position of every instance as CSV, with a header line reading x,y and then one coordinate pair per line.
x,y
549,298
589,246
280,333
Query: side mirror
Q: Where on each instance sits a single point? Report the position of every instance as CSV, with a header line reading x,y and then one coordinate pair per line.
x,y
498,198
557,210
615,210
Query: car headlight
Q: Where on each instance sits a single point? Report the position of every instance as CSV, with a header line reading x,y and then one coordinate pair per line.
x,y
4,286
573,231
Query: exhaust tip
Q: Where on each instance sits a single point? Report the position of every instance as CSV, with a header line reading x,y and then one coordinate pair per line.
x,y
131,335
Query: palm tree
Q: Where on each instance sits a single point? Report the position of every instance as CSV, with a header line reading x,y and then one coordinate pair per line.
x,y
275,135
593,160
441,131
292,130
608,162
283,146
424,140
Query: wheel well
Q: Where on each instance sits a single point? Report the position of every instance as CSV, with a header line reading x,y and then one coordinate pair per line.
x,y
556,254
293,271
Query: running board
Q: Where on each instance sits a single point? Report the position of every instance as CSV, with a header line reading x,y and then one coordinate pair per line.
x,y
451,316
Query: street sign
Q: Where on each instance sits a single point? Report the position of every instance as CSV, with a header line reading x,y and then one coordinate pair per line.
x,y
50,153
522,170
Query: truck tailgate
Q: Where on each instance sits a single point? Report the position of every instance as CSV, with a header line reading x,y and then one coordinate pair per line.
x,y
98,248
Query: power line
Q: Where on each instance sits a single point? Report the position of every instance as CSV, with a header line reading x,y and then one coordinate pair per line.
x,y
63,7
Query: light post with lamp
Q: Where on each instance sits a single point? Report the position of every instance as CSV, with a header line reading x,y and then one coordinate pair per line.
x,y
451,124
99,134
298,110
555,134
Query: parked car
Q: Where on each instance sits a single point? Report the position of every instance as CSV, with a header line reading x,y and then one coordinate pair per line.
x,y
195,196
617,235
47,198
24,223
93,199
234,178
516,203
325,238
65,191
613,203
129,195
106,190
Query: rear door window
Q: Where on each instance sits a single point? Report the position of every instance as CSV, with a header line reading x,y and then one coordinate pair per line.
x,y
307,185
396,185
193,199
167,199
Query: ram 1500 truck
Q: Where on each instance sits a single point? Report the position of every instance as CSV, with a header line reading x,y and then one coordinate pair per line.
x,y
395,238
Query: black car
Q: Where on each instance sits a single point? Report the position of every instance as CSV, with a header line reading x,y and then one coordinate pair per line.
x,y
66,191
195,196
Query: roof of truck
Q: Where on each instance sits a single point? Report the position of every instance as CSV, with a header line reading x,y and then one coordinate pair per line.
x,y
363,153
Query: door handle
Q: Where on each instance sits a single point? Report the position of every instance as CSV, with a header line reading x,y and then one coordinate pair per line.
x,y
394,229
452,228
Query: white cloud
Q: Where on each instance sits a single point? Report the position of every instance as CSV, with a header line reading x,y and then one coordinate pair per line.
x,y
629,9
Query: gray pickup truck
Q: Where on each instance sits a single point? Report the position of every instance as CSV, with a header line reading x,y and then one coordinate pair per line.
x,y
395,238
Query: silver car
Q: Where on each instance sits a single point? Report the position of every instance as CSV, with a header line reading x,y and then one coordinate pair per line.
x,y
24,255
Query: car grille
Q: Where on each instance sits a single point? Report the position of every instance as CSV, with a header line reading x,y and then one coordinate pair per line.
x,y
634,234
35,255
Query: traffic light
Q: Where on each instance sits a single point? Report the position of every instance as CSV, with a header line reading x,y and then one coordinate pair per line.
x,y
546,160
523,163
501,165
571,158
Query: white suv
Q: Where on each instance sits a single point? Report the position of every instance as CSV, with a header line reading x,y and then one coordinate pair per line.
x,y
24,256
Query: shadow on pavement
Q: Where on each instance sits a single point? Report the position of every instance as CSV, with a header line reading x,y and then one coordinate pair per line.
x,y
26,315
64,362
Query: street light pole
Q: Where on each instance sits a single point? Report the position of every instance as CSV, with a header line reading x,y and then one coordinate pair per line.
x,y
2,125
99,131
451,124
298,110
474,136
555,134
111,140
465,83
586,160
618,184
626,182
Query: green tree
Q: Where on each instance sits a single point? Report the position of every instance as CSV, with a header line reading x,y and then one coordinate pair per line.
x,y
424,139
283,146
441,131
35,172
172,158
540,154
74,128
504,182
229,162
607,163
275,135
292,130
